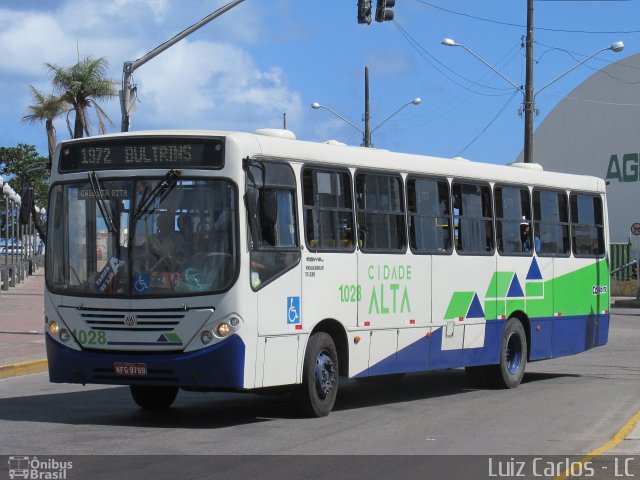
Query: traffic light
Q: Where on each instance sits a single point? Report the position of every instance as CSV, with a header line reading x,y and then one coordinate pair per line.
x,y
383,11
364,11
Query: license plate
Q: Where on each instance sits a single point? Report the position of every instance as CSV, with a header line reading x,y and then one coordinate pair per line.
x,y
131,369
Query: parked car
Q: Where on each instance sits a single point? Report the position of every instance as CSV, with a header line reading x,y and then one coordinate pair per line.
x,y
10,250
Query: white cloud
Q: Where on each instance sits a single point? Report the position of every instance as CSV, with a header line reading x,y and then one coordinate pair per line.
x,y
25,44
212,85
118,16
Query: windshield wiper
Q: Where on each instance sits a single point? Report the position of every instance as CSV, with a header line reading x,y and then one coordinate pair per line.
x,y
162,189
100,201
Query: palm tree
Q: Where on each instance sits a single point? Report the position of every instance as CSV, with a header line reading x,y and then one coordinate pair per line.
x,y
82,85
45,109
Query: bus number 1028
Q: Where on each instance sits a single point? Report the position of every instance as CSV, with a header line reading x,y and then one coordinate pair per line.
x,y
350,293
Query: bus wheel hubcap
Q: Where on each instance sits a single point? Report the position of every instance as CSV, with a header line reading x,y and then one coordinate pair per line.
x,y
325,375
514,354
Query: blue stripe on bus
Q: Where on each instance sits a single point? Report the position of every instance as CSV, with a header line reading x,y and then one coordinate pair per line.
x,y
556,337
218,366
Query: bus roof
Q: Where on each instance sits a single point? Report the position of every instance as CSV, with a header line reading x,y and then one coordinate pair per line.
x,y
336,154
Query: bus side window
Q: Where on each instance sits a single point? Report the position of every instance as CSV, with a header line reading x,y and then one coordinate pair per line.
x,y
328,210
513,210
272,220
587,228
380,213
473,218
551,222
429,215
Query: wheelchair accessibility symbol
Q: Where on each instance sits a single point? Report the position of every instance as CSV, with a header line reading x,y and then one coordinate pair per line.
x,y
293,311
141,283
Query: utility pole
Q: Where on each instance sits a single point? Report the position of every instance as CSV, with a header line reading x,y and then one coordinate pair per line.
x,y
367,114
129,67
529,105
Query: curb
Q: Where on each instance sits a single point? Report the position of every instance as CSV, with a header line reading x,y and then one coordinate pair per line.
x,y
626,303
23,368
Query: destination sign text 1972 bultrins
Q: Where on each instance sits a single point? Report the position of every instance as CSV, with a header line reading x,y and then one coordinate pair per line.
x,y
143,153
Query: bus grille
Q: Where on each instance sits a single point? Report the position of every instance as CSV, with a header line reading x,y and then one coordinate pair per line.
x,y
135,329
145,320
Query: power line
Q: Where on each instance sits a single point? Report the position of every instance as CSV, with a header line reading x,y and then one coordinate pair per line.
x,y
573,55
488,125
509,24
432,60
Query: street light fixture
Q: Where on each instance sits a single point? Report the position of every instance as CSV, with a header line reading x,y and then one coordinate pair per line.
x,y
614,47
316,106
366,139
416,101
529,102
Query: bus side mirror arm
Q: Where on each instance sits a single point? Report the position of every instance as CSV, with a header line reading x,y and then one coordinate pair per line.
x,y
250,205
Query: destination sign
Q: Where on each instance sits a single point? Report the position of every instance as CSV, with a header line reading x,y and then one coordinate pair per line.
x,y
142,153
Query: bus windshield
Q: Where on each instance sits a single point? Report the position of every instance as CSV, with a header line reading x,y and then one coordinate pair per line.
x,y
145,237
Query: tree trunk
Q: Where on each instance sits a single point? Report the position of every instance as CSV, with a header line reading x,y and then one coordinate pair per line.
x,y
51,138
78,127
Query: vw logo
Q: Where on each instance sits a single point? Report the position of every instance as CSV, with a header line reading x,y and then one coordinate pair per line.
x,y
130,320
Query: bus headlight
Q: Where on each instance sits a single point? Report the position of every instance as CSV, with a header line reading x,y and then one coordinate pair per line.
x,y
206,337
64,335
223,330
53,329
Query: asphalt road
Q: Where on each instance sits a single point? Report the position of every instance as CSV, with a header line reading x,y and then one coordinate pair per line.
x,y
566,406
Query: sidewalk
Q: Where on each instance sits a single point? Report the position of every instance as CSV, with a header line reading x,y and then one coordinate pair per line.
x,y
22,327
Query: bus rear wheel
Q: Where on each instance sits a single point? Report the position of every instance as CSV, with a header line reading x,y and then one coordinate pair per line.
x,y
317,394
513,357
153,398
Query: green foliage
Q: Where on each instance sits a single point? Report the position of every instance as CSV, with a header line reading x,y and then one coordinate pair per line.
x,y
46,108
81,86
21,165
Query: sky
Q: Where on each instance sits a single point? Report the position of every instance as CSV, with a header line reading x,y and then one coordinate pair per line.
x,y
264,58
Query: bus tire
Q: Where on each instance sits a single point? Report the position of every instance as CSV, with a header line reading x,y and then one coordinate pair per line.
x,y
317,394
513,357
153,398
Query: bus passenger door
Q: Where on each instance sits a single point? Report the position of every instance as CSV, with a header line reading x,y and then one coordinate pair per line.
x,y
275,269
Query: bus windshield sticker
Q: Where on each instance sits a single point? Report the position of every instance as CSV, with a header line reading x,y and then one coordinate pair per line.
x,y
107,274
141,283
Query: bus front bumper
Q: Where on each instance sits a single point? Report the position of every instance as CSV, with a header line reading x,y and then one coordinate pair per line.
x,y
218,366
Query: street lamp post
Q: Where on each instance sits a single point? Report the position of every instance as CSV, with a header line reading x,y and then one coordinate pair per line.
x,y
18,237
527,90
366,134
6,190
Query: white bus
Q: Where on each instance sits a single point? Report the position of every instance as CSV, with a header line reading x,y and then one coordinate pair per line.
x,y
237,261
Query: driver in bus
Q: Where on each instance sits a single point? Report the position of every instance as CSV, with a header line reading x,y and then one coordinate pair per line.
x,y
168,245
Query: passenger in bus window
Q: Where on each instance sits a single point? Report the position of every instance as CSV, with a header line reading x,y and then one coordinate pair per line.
x,y
525,236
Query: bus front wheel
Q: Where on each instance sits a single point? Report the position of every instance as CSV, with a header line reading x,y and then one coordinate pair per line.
x,y
317,394
513,357
153,398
